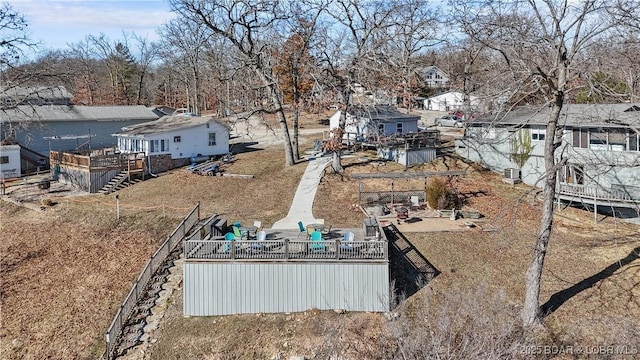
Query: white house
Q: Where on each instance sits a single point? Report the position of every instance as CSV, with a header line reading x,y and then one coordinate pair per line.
x,y
450,101
600,147
10,161
173,141
368,122
433,77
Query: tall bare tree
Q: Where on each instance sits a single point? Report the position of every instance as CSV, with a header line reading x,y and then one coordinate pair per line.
x,y
361,28
246,27
541,42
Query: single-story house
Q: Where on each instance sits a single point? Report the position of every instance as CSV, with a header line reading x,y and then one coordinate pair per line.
x,y
10,166
450,101
600,144
370,122
174,141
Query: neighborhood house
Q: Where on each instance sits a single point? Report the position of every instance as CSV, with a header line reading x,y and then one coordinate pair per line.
x,y
174,141
601,145
370,122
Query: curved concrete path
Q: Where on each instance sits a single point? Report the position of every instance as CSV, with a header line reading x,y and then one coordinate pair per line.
x,y
302,206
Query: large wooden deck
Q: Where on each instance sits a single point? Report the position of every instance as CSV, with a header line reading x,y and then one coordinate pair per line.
x,y
290,245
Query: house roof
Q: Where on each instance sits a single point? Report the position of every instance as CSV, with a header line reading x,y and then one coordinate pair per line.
x,y
166,124
455,93
576,115
44,92
76,113
381,113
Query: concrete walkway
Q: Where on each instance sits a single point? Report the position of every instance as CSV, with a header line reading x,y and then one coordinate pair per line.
x,y
302,206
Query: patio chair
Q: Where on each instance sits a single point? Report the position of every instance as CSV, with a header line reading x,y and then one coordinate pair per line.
x,y
310,230
317,244
415,203
228,237
261,237
347,241
302,228
237,233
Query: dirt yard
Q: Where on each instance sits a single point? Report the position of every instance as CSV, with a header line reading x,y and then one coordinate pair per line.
x,y
66,269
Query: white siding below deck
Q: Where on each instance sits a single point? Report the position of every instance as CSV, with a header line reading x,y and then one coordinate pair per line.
x,y
224,288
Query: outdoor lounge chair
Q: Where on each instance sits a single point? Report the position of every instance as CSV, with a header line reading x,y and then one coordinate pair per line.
x,y
317,244
237,233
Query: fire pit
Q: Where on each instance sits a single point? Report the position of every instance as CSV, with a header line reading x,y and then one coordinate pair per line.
x,y
402,212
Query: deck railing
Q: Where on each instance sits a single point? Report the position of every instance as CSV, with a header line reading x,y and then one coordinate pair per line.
x,y
137,290
129,162
285,249
595,192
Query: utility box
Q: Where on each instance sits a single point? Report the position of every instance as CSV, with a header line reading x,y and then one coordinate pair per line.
x,y
370,226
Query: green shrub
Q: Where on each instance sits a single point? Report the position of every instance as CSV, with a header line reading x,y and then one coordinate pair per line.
x,y
438,195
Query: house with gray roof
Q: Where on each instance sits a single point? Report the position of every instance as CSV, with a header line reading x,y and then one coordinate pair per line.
x,y
369,122
174,141
600,149
43,128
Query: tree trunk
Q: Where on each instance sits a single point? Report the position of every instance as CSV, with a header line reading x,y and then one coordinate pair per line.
x,y
531,310
282,118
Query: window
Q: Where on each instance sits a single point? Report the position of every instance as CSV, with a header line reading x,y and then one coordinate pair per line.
x,y
399,127
633,141
538,134
580,137
212,139
4,159
380,129
158,145
618,139
177,139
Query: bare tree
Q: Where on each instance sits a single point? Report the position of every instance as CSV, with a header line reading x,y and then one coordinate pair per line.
x,y
414,29
295,63
541,42
246,28
346,47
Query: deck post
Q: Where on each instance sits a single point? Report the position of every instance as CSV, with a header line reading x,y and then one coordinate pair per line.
x,y
595,205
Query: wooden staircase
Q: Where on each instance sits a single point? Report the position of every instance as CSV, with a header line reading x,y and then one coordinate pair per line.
x,y
119,182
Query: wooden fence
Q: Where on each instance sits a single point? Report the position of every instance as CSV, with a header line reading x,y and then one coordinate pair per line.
x,y
369,198
157,259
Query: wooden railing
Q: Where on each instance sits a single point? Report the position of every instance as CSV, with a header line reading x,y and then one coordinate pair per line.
x,y
122,315
285,249
129,162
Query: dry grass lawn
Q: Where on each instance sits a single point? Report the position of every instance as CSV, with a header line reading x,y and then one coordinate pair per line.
x,y
66,270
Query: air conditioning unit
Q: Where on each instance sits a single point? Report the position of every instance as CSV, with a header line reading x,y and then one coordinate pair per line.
x,y
512,174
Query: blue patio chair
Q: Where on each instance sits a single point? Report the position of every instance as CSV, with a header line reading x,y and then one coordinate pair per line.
x,y
228,237
261,237
317,244
347,241
302,228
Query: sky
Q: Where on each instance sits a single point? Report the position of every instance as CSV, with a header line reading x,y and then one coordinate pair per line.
x,y
56,23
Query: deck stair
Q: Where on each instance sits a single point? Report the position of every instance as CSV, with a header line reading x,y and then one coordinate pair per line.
x,y
119,182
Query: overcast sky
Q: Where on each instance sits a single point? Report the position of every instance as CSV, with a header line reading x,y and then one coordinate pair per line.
x,y
56,23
